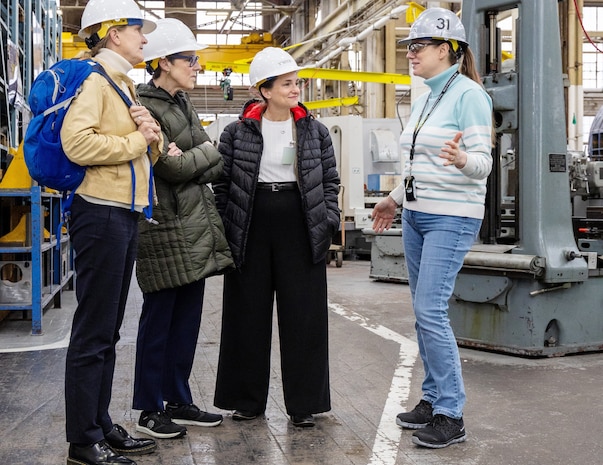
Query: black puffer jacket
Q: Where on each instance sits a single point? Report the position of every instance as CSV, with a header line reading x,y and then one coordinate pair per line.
x,y
241,146
189,242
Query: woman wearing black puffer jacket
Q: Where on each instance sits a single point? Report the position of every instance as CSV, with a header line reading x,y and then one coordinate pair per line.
x,y
278,202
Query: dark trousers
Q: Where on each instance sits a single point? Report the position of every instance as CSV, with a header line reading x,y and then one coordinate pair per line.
x,y
165,349
278,262
104,241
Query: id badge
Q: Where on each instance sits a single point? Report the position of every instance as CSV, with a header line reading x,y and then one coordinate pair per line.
x,y
410,188
288,155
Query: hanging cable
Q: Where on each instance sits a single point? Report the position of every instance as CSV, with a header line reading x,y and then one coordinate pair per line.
x,y
584,29
398,103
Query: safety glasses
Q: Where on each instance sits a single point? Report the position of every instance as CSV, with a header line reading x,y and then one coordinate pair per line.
x,y
416,47
192,59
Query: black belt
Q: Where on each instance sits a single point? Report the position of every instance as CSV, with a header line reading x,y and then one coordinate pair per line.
x,y
276,186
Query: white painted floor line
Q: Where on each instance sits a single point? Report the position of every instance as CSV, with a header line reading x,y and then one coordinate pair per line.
x,y
53,345
387,439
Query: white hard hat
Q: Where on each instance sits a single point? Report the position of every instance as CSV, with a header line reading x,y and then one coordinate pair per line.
x,y
114,13
270,62
436,23
171,36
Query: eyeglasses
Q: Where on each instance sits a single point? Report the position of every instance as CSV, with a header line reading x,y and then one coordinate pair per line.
x,y
192,59
416,47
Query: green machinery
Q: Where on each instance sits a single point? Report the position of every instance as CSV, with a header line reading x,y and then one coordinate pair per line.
x,y
533,286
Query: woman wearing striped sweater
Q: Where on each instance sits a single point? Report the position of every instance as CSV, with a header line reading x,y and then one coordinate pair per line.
x,y
447,143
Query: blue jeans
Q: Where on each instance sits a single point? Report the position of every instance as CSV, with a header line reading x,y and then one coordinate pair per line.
x,y
435,247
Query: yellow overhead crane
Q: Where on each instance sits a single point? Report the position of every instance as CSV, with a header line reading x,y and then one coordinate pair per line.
x,y
242,66
237,57
217,58
74,45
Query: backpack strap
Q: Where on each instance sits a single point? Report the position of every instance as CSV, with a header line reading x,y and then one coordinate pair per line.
x,y
100,70
148,211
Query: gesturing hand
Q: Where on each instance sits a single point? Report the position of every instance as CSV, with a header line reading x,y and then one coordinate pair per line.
x,y
383,214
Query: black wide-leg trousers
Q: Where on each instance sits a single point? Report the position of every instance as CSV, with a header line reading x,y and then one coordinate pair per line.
x,y
278,263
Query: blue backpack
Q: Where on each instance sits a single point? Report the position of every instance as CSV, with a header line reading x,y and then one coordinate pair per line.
x,y
49,99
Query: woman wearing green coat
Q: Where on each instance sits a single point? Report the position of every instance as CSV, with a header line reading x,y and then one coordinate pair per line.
x,y
185,247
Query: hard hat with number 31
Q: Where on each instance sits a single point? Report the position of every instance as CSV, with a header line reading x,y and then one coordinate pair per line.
x,y
436,24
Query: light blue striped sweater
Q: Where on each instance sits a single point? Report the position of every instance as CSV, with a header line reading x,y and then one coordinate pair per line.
x,y
447,190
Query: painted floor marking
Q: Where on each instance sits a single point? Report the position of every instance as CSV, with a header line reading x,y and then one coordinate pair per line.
x,y
52,345
387,439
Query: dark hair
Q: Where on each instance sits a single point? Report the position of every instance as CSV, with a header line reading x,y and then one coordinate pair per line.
x,y
267,84
155,73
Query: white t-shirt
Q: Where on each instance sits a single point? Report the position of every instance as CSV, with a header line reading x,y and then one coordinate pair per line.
x,y
278,157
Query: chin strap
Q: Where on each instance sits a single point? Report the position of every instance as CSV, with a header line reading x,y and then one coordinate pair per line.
x,y
92,41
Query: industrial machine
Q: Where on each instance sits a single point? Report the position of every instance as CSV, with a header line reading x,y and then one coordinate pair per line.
x,y
370,166
533,286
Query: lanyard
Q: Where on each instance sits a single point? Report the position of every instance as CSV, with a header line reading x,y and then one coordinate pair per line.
x,y
421,121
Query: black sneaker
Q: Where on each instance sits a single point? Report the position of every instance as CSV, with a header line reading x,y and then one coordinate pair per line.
x,y
159,425
183,414
441,432
418,417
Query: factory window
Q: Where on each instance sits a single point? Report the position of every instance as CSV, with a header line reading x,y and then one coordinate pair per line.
x,y
227,23
592,75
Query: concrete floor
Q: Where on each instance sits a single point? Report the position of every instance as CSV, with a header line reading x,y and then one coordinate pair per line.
x,y
519,411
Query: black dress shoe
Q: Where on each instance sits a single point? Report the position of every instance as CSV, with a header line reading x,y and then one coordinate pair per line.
x,y
120,441
303,421
244,415
99,453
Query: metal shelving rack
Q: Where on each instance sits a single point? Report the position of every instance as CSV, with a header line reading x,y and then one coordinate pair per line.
x,y
48,254
32,28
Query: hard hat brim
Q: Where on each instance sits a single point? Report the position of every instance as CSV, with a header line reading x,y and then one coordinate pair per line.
x,y
409,40
147,27
262,81
405,41
164,54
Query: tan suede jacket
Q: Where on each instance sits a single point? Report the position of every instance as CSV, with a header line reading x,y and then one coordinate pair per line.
x,y
99,133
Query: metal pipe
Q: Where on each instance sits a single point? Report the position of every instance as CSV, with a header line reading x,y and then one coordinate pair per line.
x,y
507,261
347,41
394,14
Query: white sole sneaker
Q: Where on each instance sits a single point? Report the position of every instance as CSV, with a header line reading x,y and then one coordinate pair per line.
x,y
155,434
179,421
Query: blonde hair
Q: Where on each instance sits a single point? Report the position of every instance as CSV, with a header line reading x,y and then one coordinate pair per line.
x,y
468,67
103,42
466,60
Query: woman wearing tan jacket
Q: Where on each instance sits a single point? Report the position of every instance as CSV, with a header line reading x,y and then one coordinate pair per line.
x,y
111,140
